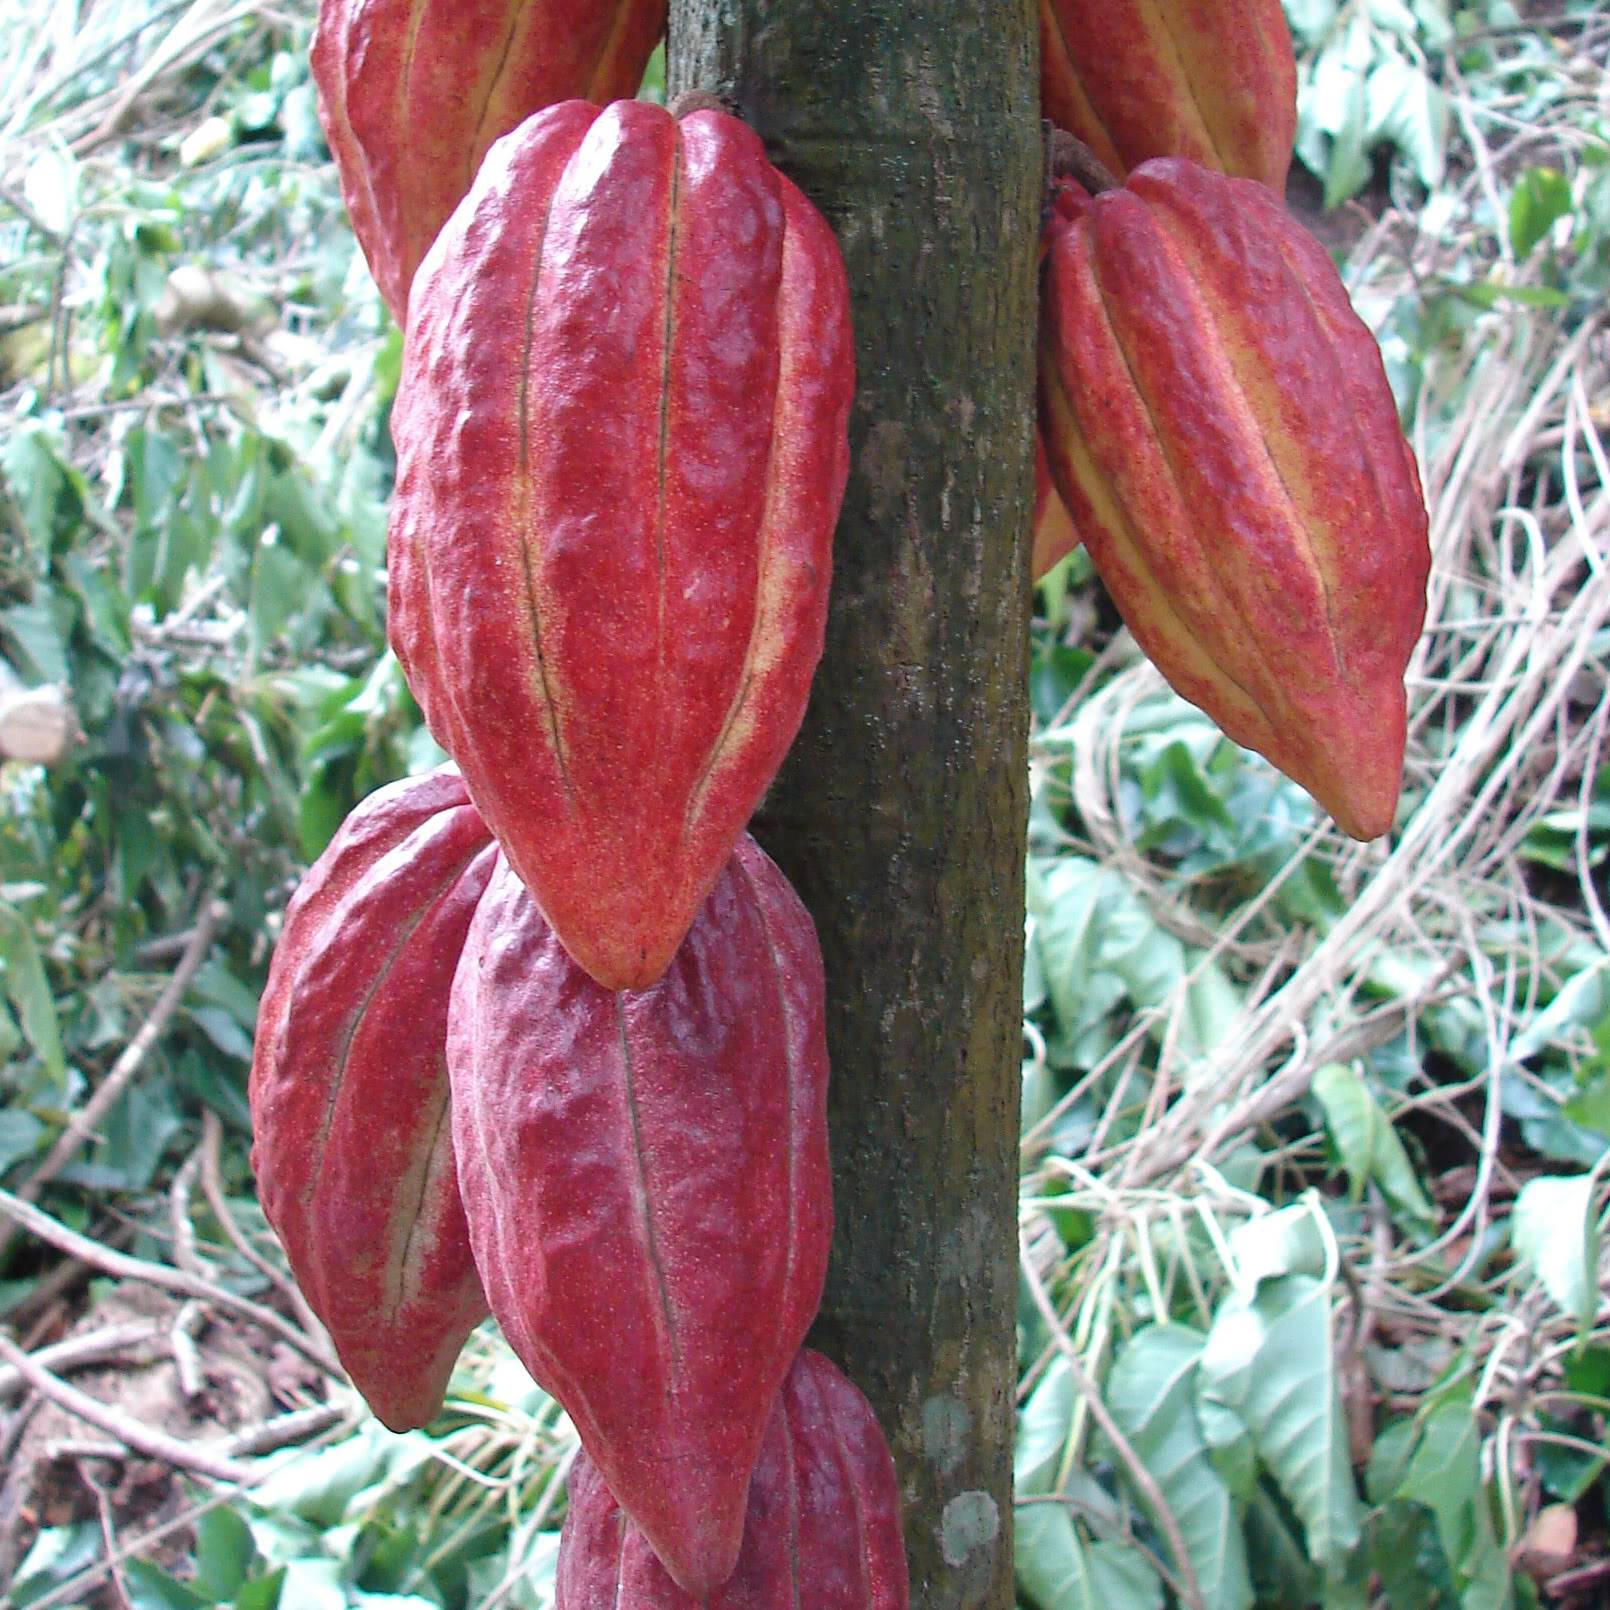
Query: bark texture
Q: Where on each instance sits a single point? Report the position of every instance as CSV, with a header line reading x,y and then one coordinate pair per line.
x,y
899,816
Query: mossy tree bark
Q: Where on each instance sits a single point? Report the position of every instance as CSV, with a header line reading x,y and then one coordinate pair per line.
x,y
900,816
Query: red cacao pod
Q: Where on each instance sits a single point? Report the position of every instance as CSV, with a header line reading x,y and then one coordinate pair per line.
x,y
621,448
412,93
646,1179
1211,80
822,1528
1219,422
350,1107
1054,533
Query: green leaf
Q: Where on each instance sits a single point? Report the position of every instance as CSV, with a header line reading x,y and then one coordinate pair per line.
x,y
151,1588
1151,1393
1541,197
262,1593
314,1585
1404,105
1058,1570
29,990
1444,1474
37,634
1368,1144
1099,946
1212,1008
1582,1002
1311,19
1271,1361
1287,1241
1043,1430
1555,1229
224,1553
57,1554
49,493
280,587
318,1488
21,1135
137,1131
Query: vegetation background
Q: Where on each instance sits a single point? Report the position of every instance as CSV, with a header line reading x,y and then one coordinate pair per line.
x,y
1314,1134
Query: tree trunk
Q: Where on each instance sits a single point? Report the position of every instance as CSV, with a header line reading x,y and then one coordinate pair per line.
x,y
900,816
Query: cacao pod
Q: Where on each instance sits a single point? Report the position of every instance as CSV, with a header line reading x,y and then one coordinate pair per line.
x,y
822,1528
350,1108
1219,422
412,93
1054,533
621,448
1211,80
646,1179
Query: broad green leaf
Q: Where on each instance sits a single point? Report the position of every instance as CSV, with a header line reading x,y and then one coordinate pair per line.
x,y
1368,1144
1405,105
1034,992
1311,19
57,1553
280,587
1583,1000
151,1588
1555,1229
1272,1362
318,1488
49,493
1444,1474
1151,1394
1285,1242
37,632
1099,945
1541,197
136,1134
261,1593
1059,1570
29,990
1043,1430
1212,1008
21,1135
1282,1573
313,1585
1228,1436
1405,1551
224,1553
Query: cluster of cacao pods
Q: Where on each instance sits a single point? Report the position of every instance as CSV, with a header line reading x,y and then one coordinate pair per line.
x,y
544,1034
1215,421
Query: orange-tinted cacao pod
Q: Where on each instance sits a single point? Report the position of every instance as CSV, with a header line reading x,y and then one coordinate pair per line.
x,y
412,93
646,1179
1218,420
621,445
1211,80
822,1528
352,1144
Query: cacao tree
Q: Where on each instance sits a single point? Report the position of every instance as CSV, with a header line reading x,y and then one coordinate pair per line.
x,y
900,813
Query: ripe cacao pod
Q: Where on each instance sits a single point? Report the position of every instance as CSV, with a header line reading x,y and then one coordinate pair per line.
x,y
1211,80
412,93
1054,533
1219,422
646,1179
822,1528
350,1108
621,448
